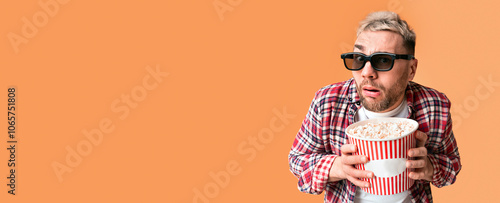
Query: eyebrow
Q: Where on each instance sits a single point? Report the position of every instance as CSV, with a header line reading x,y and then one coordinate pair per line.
x,y
360,47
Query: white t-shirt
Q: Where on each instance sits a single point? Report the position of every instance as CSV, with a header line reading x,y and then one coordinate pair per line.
x,y
361,196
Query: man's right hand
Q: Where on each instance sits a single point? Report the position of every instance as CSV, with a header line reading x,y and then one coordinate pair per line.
x,y
343,167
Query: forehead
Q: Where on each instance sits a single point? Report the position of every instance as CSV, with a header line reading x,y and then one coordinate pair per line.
x,y
369,42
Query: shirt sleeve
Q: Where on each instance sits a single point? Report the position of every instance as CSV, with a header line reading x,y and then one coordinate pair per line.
x,y
308,159
444,156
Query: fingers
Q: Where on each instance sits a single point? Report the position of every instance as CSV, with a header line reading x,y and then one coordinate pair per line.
x,y
348,161
420,163
354,159
348,149
358,182
421,166
354,175
348,158
417,152
416,175
421,138
422,169
420,150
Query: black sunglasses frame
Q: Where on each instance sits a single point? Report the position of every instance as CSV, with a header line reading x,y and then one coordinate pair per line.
x,y
369,58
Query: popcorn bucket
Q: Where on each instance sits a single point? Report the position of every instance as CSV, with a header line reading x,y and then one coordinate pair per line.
x,y
386,158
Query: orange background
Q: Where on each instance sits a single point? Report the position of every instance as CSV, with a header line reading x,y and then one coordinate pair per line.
x,y
226,78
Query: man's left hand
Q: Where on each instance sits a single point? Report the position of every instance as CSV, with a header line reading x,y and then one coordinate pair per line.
x,y
421,163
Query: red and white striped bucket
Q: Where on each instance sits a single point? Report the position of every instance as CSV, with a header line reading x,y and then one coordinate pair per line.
x,y
387,158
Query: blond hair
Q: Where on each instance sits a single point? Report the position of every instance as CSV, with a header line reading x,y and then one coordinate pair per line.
x,y
389,21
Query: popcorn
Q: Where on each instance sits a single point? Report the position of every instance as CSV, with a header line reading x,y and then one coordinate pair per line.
x,y
385,141
382,130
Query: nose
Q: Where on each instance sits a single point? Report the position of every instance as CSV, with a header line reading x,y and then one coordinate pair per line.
x,y
368,72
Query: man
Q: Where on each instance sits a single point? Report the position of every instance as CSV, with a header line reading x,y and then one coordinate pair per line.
x,y
383,67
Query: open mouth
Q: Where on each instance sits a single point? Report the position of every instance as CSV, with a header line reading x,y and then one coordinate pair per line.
x,y
371,91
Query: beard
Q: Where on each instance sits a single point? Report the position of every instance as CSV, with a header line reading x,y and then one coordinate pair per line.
x,y
390,95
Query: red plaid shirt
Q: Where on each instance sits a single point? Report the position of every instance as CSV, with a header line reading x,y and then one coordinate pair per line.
x,y
318,141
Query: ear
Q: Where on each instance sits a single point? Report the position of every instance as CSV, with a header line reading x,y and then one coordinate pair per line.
x,y
413,69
